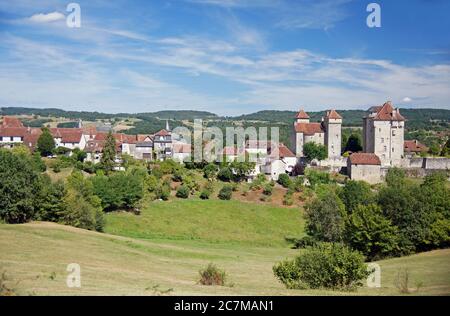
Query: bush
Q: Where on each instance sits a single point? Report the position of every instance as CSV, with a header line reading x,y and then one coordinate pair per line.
x,y
317,177
284,180
288,199
225,174
225,193
330,266
205,194
268,189
312,151
210,171
162,192
183,192
212,275
355,193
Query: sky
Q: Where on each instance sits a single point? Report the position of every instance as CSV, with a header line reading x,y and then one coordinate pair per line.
x,y
224,56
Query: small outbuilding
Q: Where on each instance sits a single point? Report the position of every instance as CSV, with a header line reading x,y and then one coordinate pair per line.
x,y
365,167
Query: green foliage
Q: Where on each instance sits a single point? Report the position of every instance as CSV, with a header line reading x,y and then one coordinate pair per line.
x,y
82,208
312,151
284,180
45,143
108,158
368,231
330,266
354,143
19,185
38,163
241,169
119,190
210,171
78,154
212,275
268,189
225,174
317,177
162,191
183,192
325,218
50,199
355,193
226,192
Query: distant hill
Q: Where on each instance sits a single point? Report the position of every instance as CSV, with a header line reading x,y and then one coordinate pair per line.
x,y
416,118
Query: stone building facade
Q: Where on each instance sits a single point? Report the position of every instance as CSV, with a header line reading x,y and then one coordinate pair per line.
x,y
328,132
383,134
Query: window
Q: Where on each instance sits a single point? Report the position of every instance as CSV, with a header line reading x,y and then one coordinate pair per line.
x,y
382,140
385,148
392,149
393,133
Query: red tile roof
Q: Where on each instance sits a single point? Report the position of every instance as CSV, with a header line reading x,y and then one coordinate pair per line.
x,y
332,114
302,115
162,132
182,148
309,128
415,146
388,113
284,151
13,131
364,159
11,121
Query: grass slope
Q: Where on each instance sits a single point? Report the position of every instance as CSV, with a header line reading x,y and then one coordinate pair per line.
x,y
211,221
35,257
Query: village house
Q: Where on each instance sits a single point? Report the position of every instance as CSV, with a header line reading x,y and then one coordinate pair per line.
x,y
365,167
414,148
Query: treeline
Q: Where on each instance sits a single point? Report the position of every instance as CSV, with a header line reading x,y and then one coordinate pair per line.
x,y
350,224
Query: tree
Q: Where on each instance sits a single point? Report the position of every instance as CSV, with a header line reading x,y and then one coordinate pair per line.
x,y
109,153
19,185
183,192
312,151
45,143
50,199
82,207
355,193
353,143
368,231
241,169
325,218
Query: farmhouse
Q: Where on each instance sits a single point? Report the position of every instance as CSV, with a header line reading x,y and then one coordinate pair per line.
x,y
414,147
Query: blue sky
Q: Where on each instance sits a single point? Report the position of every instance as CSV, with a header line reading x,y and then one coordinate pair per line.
x,y
224,56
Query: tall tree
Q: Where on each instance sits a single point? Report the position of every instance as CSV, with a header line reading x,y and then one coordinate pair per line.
x,y
45,143
109,153
353,143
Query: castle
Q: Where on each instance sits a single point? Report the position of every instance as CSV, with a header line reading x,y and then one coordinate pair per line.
x,y
327,132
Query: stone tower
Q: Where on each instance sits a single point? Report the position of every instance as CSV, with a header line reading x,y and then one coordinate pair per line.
x,y
333,133
383,134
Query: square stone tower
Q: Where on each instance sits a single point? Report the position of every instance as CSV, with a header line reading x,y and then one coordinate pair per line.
x,y
333,133
383,134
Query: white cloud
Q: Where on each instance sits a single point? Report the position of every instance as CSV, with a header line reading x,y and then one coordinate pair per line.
x,y
406,99
47,17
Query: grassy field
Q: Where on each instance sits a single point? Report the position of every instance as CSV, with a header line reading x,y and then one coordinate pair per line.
x,y
35,256
162,250
210,221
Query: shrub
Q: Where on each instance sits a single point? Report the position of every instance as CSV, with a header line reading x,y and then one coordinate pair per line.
x,y
210,171
225,174
225,193
268,189
183,192
288,199
317,177
212,275
284,180
297,184
331,266
162,192
205,194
